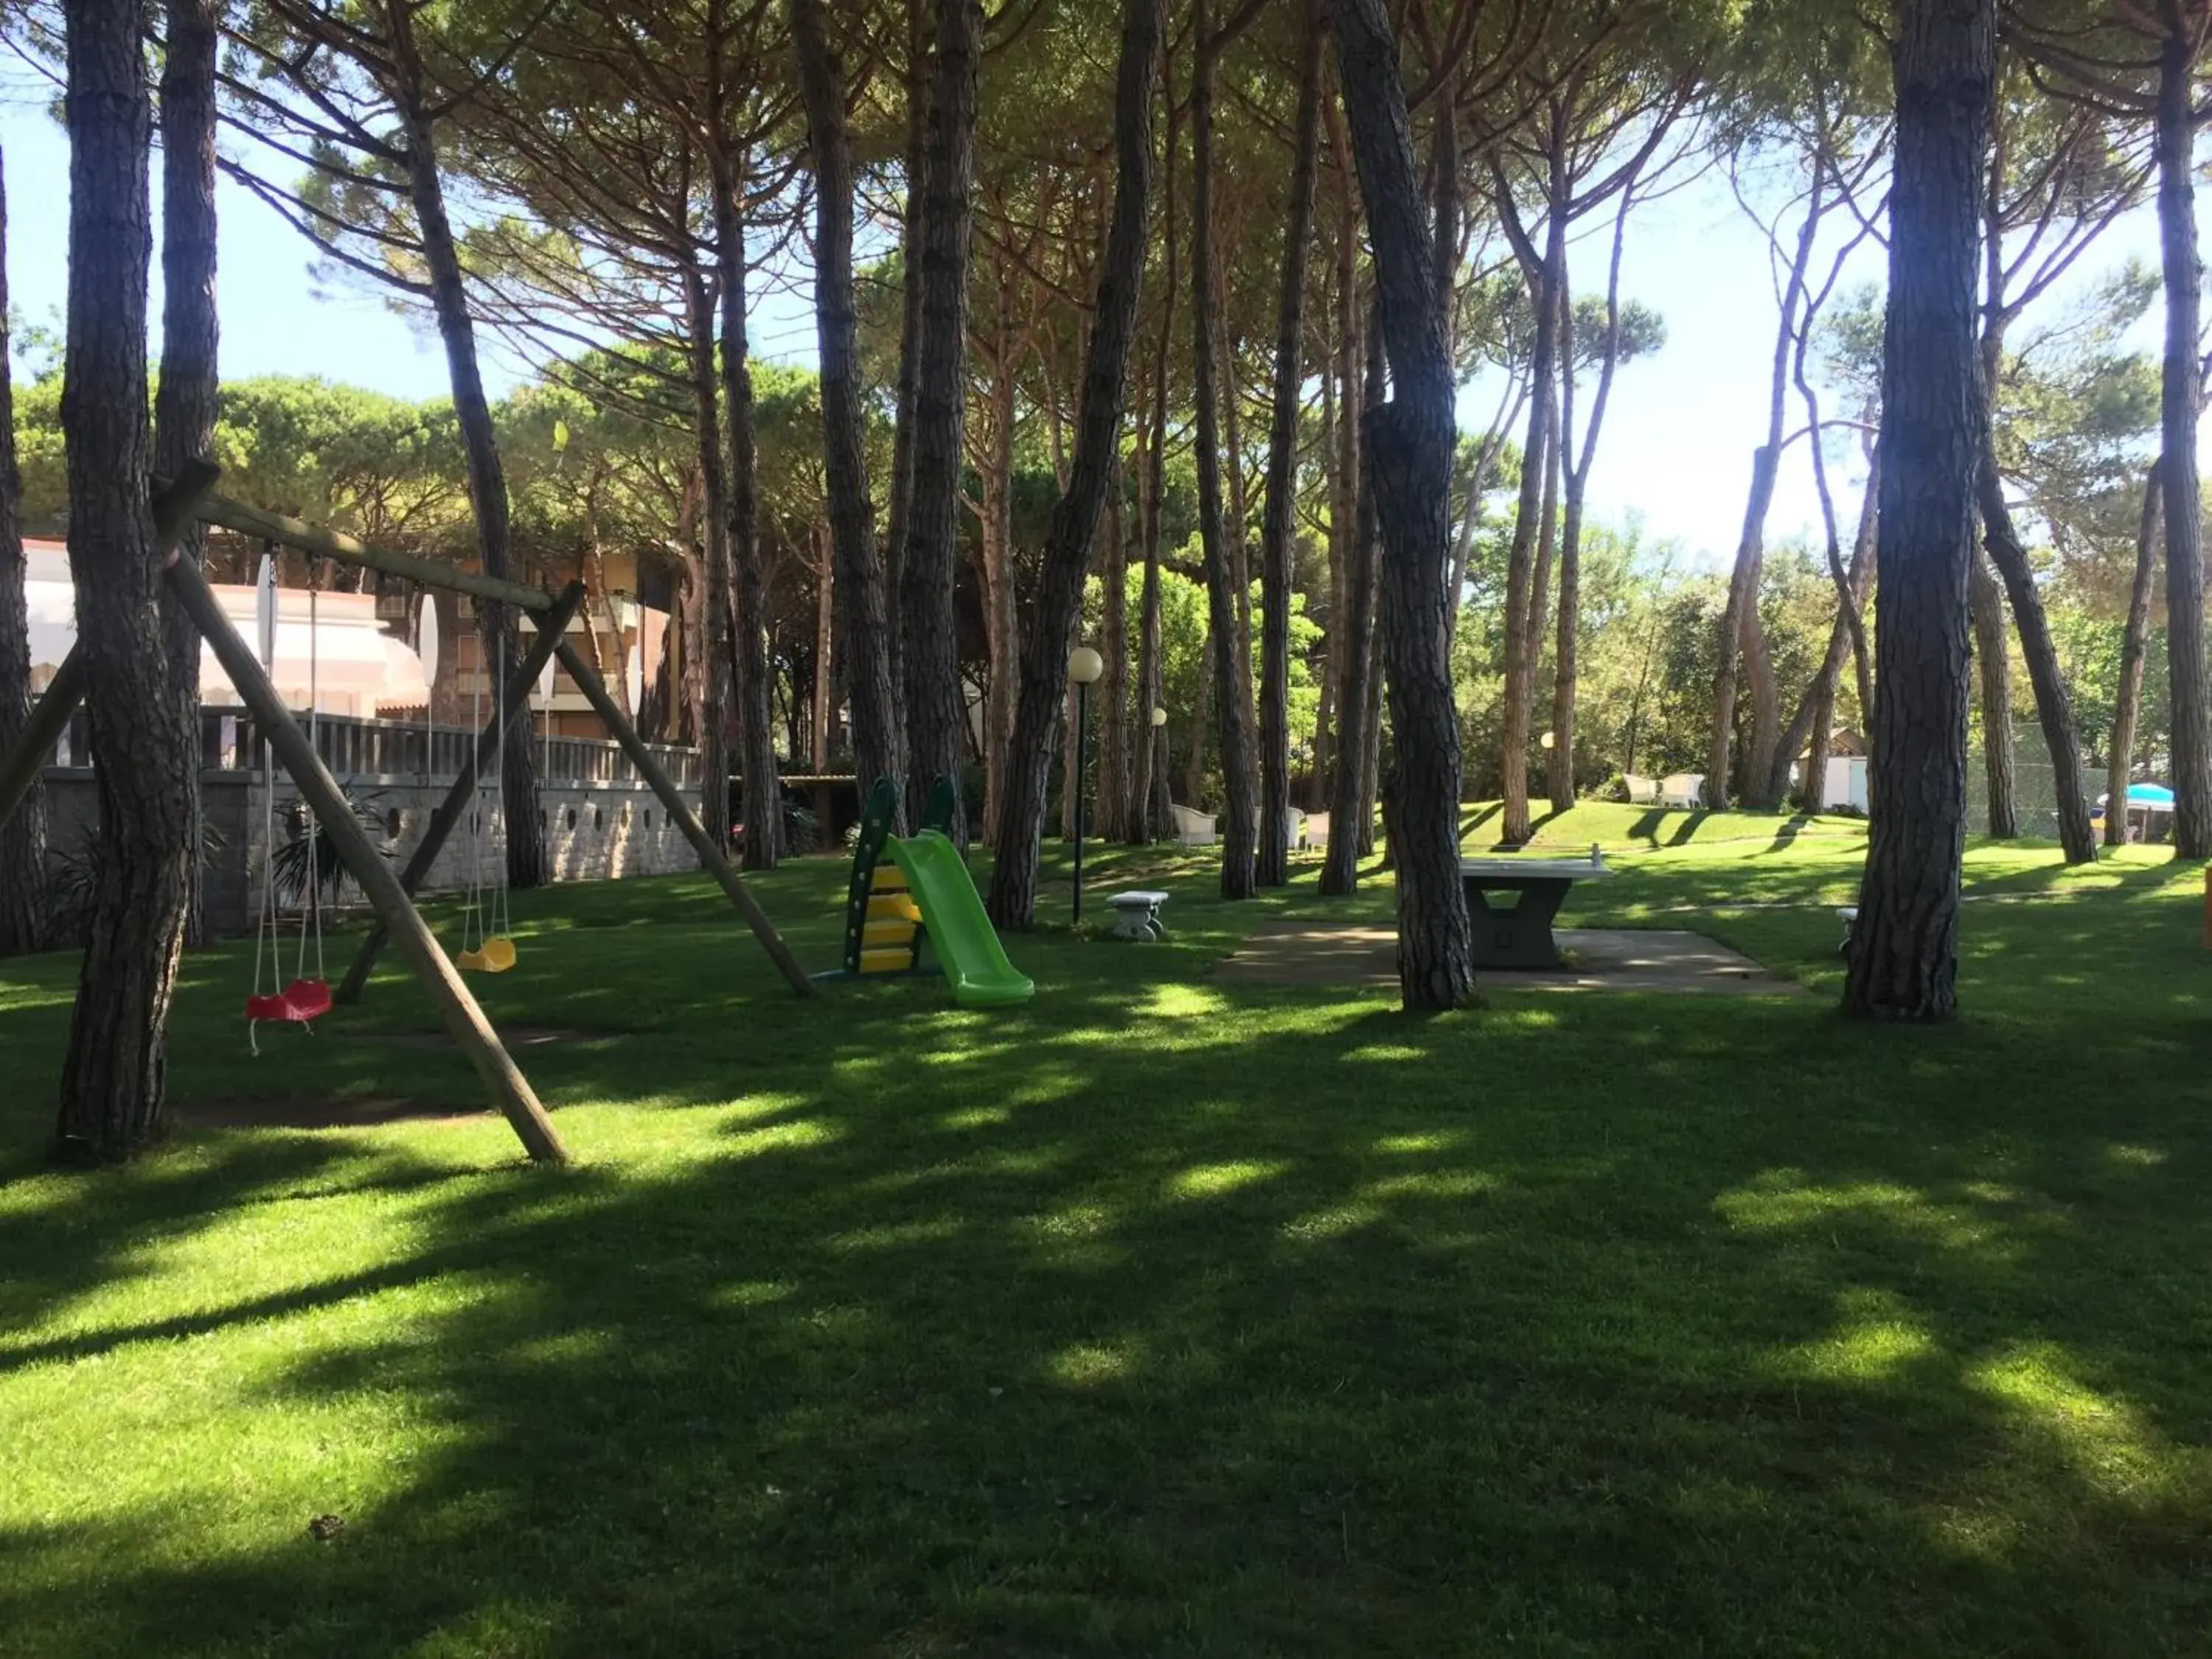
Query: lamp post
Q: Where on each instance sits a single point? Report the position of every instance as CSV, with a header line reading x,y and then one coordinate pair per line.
x,y
1159,717
1085,666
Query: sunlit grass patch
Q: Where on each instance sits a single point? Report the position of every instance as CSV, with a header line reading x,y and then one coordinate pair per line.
x,y
1157,1315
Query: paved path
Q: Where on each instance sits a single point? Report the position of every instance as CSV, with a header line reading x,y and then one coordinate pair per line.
x,y
1599,959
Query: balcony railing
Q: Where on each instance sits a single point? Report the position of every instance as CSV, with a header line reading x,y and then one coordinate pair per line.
x,y
404,751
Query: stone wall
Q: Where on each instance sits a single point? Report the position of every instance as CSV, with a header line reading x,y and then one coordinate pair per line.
x,y
594,831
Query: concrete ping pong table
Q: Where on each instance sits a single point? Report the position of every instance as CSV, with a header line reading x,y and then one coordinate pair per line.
x,y
1519,935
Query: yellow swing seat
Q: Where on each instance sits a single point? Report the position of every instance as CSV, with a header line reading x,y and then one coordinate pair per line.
x,y
494,956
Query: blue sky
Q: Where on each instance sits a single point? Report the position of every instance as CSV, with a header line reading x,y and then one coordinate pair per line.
x,y
1675,452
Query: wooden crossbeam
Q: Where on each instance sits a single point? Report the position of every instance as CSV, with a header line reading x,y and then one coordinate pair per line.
x,y
175,505
464,1020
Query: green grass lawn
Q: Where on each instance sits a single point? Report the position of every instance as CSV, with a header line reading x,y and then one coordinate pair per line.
x,y
1150,1318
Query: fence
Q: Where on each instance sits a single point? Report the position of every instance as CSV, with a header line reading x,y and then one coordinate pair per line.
x,y
599,818
397,751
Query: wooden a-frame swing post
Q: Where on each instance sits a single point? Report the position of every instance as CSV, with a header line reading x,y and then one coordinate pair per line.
x,y
333,544
175,506
464,1020
550,627
714,858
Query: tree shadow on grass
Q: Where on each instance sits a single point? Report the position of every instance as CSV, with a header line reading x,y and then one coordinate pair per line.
x,y
1154,1319
1085,1351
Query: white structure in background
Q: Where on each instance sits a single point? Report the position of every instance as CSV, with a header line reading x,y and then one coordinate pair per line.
x,y
358,669
1846,782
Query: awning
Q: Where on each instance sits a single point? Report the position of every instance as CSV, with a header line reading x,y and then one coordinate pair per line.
x,y
355,668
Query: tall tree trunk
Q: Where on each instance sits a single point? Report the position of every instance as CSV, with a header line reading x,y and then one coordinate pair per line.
x,y
825,591
1905,945
185,403
934,711
1239,778
1333,618
2119,756
2179,403
1540,582
1811,727
862,608
1742,600
495,624
1743,632
1565,684
919,67
755,679
1149,787
1993,659
1002,624
712,597
1523,615
1278,531
2054,708
23,836
1344,480
1351,804
1112,815
113,1078
1409,441
1074,525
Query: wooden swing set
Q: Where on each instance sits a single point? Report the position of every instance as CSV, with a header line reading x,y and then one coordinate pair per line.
x,y
190,497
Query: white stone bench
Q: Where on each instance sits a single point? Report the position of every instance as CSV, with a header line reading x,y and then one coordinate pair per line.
x,y
1849,916
1137,916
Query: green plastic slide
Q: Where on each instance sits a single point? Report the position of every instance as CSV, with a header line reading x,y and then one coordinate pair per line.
x,y
966,944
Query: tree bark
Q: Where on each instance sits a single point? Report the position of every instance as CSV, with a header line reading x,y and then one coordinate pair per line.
x,y
1905,944
858,583
1523,615
713,596
185,401
113,1077
2120,754
1278,530
2179,402
918,78
1811,727
1742,597
1149,786
1074,525
1239,777
934,711
495,624
23,834
1351,804
1002,624
1344,475
1409,442
1993,659
1566,661
1743,632
1112,820
2054,708
755,680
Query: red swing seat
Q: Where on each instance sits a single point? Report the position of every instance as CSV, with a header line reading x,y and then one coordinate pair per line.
x,y
300,1003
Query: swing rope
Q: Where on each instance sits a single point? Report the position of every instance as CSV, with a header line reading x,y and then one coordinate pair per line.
x,y
305,999
489,920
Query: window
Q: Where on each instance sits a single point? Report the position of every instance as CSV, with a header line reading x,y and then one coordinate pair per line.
x,y
394,821
648,817
572,818
600,819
